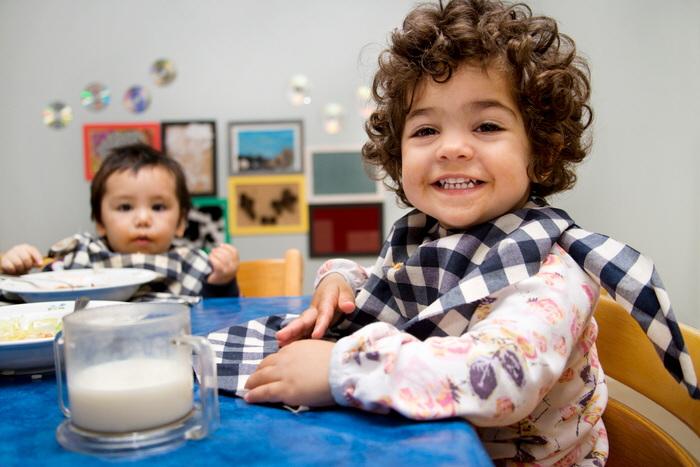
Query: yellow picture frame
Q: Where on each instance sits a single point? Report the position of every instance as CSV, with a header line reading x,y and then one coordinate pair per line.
x,y
270,204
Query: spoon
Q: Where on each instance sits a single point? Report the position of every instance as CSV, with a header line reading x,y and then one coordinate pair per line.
x,y
80,303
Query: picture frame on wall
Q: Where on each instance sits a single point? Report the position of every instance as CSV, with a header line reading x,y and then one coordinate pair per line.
x,y
345,229
100,138
338,175
207,223
274,204
266,148
193,145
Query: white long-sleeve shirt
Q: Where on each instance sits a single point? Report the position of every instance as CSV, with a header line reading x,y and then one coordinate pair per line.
x,y
525,372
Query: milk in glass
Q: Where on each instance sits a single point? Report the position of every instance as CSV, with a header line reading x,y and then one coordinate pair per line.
x,y
130,395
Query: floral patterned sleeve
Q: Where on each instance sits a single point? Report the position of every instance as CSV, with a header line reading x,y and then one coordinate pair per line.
x,y
518,344
354,274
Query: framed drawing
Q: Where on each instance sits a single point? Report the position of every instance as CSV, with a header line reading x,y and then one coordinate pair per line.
x,y
261,205
207,223
193,145
265,148
100,138
345,229
338,175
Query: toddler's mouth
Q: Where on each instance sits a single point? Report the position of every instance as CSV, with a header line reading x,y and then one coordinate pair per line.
x,y
457,183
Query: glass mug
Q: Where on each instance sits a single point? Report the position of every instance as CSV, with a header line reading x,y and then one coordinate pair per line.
x,y
128,375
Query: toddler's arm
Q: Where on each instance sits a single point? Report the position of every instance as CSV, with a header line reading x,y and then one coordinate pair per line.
x,y
514,351
20,258
336,283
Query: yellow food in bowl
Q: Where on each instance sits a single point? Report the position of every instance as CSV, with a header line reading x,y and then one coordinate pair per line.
x,y
15,330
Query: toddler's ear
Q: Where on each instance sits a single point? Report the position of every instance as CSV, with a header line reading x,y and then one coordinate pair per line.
x,y
100,229
181,226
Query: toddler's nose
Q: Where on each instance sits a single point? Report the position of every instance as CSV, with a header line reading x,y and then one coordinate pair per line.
x,y
455,145
142,217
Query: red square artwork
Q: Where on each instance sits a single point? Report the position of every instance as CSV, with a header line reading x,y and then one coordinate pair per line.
x,y
345,229
100,138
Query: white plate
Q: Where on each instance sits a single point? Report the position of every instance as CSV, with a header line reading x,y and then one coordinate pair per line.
x,y
96,284
33,353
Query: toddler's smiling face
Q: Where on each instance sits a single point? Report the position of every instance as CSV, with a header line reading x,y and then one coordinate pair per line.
x,y
465,151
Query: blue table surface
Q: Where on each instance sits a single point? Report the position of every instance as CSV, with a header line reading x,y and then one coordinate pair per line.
x,y
249,434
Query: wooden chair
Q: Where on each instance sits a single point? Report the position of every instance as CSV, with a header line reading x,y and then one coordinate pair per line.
x,y
628,356
272,277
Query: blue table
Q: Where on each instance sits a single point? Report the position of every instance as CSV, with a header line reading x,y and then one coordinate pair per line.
x,y
249,434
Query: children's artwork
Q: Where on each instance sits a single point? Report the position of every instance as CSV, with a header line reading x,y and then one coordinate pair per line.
x,y
100,138
338,175
207,223
193,145
258,148
345,229
267,204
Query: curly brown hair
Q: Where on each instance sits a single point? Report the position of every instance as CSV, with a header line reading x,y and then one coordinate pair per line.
x,y
550,82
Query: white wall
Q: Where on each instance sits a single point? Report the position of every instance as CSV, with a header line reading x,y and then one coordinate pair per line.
x,y
235,59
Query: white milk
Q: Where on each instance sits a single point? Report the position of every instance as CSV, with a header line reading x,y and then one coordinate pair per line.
x,y
130,395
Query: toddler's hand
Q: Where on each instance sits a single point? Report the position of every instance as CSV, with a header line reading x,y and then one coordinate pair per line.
x,y
296,375
20,259
332,297
224,263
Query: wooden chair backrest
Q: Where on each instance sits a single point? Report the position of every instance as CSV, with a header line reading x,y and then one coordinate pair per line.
x,y
627,355
272,277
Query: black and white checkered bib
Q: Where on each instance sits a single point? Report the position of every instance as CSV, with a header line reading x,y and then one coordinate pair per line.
x,y
182,270
428,281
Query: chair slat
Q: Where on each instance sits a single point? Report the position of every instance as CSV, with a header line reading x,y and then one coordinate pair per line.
x,y
272,277
627,355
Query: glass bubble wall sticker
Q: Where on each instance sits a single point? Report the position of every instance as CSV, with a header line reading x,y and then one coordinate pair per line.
x,y
95,96
57,115
163,72
365,104
137,99
333,118
299,90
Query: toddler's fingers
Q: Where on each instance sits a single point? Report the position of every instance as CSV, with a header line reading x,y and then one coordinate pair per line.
x,y
35,255
7,266
326,313
19,262
232,250
225,259
298,328
272,392
290,333
346,301
216,263
226,252
260,377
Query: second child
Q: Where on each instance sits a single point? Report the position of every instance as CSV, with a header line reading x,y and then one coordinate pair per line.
x,y
139,202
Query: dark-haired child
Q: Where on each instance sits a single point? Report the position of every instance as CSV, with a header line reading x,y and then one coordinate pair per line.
x,y
139,202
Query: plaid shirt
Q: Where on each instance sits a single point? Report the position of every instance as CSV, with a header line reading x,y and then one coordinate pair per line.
x,y
428,281
183,270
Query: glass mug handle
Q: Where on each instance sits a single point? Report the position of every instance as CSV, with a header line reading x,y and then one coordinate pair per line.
x,y
208,387
58,343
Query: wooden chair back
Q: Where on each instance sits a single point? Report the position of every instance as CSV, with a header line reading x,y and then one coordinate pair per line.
x,y
272,277
628,356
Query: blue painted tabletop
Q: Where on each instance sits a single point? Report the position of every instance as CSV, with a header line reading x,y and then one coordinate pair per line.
x,y
248,434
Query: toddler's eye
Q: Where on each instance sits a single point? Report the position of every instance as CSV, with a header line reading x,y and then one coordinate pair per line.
x,y
488,127
159,207
426,131
124,207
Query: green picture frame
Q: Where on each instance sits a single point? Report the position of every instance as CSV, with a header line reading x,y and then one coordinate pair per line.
x,y
208,222
338,175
